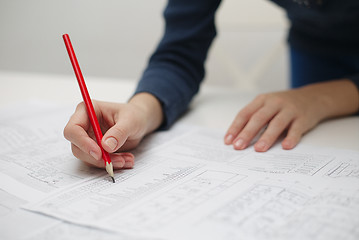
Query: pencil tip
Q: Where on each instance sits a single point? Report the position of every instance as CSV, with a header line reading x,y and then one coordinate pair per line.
x,y
109,170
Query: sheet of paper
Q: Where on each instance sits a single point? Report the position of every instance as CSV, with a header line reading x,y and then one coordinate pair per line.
x,y
196,187
35,159
70,231
15,223
34,152
186,184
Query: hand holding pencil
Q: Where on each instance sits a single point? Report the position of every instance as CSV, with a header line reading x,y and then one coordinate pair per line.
x,y
123,125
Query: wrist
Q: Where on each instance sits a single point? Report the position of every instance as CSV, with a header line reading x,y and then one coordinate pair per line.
x,y
152,109
337,98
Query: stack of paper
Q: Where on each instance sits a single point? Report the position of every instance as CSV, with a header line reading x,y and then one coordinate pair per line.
x,y
186,184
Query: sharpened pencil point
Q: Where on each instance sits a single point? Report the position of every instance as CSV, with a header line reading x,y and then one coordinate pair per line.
x,y
109,169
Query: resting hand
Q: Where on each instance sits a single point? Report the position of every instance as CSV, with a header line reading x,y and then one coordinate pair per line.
x,y
123,125
296,111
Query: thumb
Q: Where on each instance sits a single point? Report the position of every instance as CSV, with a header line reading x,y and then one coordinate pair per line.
x,y
114,138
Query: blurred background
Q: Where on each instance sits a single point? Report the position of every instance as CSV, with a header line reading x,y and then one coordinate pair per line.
x,y
114,39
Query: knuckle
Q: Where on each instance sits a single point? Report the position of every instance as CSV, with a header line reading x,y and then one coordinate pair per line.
x,y
279,123
276,99
279,101
80,105
66,132
261,97
120,132
243,115
245,135
233,130
75,151
271,136
260,117
238,121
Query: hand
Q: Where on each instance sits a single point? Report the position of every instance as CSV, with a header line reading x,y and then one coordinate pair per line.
x,y
123,125
296,111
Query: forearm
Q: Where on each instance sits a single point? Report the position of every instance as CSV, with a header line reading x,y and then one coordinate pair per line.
x,y
176,69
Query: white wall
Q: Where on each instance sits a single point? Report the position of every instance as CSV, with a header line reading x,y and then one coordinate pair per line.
x,y
114,38
250,51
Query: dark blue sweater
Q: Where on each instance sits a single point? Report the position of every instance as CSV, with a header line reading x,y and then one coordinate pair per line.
x,y
176,68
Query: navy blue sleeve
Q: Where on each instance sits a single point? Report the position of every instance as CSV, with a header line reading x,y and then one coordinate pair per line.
x,y
176,68
355,80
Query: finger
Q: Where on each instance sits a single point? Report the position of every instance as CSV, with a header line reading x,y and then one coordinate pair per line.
x,y
129,145
86,157
122,160
80,117
275,128
76,132
119,160
241,119
129,165
254,125
124,134
115,137
295,133
129,159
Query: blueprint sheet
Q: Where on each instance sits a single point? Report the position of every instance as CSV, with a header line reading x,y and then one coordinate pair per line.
x,y
186,184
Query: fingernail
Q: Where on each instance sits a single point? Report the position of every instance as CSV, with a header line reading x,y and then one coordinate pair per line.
x,y
261,146
128,158
287,144
128,165
111,143
94,155
239,144
118,163
229,139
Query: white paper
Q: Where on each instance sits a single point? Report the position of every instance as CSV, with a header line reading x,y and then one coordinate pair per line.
x,y
196,187
35,159
186,184
34,152
15,223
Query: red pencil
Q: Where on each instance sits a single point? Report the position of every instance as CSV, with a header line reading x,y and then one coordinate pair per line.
x,y
90,110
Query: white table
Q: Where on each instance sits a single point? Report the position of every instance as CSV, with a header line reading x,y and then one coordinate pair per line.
x,y
214,107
